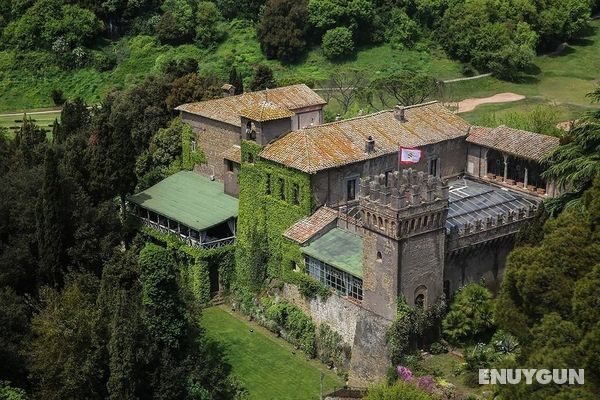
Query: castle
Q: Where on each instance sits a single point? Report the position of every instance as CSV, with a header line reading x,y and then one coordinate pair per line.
x,y
376,230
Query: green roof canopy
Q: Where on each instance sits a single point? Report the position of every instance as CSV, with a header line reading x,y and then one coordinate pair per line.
x,y
190,199
338,248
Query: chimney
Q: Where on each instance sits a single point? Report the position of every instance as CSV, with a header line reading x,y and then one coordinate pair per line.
x,y
228,90
369,145
399,113
338,117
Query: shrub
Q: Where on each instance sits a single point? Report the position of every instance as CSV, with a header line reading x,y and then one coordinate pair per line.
x,y
399,390
58,97
331,348
338,43
402,31
438,348
470,316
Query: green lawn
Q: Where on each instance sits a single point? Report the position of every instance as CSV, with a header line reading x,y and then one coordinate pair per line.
x,y
13,122
269,368
562,80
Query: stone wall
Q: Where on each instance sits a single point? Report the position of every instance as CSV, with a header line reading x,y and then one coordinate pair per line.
x,y
213,137
306,116
361,329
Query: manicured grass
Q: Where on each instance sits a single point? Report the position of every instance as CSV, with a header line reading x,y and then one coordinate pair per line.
x,y
563,80
269,368
13,122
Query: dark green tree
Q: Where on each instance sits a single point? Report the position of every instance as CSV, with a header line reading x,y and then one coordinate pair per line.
x,y
263,79
74,117
236,79
51,215
282,29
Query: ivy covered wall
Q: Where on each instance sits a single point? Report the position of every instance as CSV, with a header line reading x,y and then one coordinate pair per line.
x,y
272,198
195,264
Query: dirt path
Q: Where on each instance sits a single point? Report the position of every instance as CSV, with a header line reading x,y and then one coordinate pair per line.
x,y
20,114
470,104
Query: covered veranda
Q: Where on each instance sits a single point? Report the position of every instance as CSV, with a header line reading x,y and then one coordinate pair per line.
x,y
190,206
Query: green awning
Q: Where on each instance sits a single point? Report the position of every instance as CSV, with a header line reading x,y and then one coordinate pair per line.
x,y
190,199
338,248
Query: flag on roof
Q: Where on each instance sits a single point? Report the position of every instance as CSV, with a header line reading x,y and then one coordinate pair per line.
x,y
409,155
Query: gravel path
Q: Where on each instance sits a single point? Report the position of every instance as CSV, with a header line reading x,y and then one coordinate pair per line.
x,y
470,104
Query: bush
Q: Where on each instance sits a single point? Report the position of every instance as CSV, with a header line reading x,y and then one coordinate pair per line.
x,y
470,316
400,390
402,31
338,43
58,97
438,348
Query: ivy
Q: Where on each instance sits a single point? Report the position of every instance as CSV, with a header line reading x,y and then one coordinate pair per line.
x,y
272,198
190,157
195,263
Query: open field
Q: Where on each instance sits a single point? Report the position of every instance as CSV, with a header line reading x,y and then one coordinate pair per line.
x,y
270,368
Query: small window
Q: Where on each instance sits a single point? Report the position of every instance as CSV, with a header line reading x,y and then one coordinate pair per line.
x,y
296,194
379,256
351,189
193,144
269,190
229,165
433,167
281,189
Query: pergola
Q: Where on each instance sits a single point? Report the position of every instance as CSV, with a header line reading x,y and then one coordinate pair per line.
x,y
189,206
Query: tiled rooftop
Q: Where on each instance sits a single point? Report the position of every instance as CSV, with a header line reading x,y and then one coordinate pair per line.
x,y
265,111
343,142
234,153
516,142
307,227
227,109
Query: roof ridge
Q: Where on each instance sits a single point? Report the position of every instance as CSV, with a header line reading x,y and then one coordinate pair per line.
x,y
427,103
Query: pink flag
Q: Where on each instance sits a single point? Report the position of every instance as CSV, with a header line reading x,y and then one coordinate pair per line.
x,y
409,155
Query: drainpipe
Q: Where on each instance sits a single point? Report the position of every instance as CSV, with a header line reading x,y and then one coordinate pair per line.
x,y
505,167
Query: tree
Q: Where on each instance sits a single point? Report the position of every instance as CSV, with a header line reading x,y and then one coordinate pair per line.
x,y
235,79
190,88
402,31
282,29
346,85
14,332
470,315
574,164
338,43
246,9
74,117
51,217
210,26
64,358
263,79
355,15
31,142
403,87
176,25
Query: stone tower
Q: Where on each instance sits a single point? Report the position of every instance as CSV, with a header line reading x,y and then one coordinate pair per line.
x,y
404,217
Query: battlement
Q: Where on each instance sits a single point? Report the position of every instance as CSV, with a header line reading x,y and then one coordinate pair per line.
x,y
403,203
400,190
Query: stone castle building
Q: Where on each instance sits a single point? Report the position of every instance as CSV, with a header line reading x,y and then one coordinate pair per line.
x,y
379,230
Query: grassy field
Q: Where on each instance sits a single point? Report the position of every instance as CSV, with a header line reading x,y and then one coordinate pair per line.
x,y
13,122
269,367
562,80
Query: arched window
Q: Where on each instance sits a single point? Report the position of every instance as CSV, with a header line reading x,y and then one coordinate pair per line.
x,y
380,223
421,297
250,131
379,256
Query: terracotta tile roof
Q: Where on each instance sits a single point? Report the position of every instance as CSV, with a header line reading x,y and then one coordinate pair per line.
x,y
308,227
265,111
516,142
227,109
343,142
234,153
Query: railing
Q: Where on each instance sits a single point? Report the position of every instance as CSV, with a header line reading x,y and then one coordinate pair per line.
x,y
210,244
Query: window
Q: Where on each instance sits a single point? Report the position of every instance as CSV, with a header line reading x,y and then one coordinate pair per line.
x,y
379,256
269,184
295,193
281,189
229,165
342,282
193,144
387,176
250,131
351,189
420,301
433,167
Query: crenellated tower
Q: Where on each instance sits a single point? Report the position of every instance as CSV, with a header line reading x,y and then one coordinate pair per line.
x,y
404,215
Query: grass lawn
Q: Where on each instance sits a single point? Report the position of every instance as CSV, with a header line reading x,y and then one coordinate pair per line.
x,y
562,80
270,368
13,122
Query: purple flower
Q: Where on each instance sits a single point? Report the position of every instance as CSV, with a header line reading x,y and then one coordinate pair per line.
x,y
404,373
427,383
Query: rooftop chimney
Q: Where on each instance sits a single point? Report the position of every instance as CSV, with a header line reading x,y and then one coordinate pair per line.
x,y
338,117
228,90
369,145
399,113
